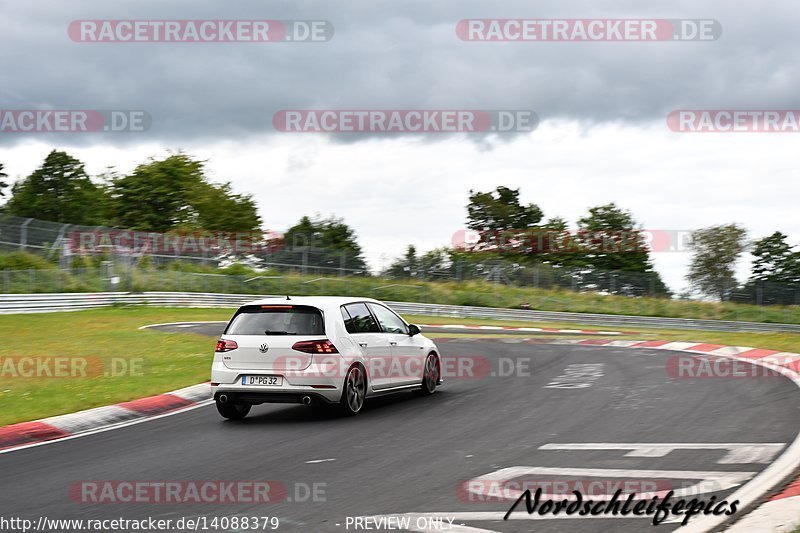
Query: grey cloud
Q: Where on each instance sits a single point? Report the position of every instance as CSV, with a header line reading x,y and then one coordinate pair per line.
x,y
390,55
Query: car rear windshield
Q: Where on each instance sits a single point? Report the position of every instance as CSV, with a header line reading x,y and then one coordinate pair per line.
x,y
277,320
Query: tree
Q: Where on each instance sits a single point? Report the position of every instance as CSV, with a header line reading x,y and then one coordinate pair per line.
x,y
3,184
775,260
500,218
218,208
609,239
175,194
436,263
59,190
775,275
716,250
322,242
612,241
406,266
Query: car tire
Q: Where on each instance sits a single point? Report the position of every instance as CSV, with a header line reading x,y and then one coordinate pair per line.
x,y
233,411
430,375
354,391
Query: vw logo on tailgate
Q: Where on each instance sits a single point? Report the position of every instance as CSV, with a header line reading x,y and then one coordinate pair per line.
x,y
263,348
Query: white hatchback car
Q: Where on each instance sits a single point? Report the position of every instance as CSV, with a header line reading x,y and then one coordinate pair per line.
x,y
319,350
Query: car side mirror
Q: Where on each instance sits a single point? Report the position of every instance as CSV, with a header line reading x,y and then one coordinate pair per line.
x,y
413,330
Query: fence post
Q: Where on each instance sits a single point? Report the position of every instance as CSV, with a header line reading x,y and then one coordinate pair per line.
x,y
31,279
23,235
6,280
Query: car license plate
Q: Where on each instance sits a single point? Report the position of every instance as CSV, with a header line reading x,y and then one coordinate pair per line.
x,y
275,381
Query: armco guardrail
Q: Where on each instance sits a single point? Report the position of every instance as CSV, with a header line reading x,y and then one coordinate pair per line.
x,y
49,302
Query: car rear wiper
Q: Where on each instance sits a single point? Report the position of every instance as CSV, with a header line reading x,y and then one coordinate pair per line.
x,y
276,332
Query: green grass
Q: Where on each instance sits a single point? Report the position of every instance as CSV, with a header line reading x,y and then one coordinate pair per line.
x,y
170,361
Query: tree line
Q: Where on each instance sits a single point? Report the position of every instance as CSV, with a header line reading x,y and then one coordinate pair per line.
x,y
608,240
774,274
506,231
174,194
170,194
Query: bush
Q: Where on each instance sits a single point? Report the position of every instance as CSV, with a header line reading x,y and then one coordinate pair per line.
x,y
24,261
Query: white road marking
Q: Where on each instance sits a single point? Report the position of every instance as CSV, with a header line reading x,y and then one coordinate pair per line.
x,y
177,323
738,452
577,376
315,461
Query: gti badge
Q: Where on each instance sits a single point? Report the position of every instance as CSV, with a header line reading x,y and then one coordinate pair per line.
x,y
263,348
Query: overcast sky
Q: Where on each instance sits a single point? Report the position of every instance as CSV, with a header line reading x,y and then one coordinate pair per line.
x,y
602,107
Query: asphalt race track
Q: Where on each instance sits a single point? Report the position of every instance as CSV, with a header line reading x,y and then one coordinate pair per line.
x,y
408,454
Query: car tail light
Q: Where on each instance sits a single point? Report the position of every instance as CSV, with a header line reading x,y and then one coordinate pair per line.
x,y
320,346
225,345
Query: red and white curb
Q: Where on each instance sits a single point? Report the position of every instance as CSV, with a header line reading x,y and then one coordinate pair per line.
x,y
780,512
37,432
526,329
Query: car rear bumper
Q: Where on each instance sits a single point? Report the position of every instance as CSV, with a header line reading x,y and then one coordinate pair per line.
x,y
287,393
252,397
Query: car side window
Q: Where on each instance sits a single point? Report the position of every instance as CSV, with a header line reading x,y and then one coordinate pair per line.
x,y
389,322
362,319
349,323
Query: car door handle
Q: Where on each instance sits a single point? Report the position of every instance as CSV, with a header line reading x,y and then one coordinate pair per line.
x,y
362,344
393,343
